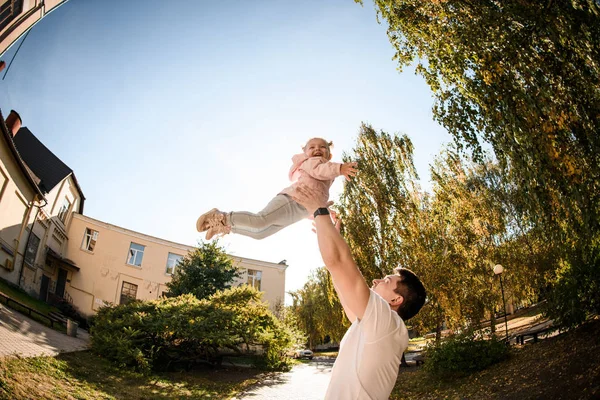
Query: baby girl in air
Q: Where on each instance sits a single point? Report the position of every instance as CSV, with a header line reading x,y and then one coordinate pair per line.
x,y
312,169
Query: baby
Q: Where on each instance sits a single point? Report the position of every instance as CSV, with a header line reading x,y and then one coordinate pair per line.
x,y
312,168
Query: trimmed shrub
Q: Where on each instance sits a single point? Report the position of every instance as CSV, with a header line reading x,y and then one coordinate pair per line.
x,y
464,354
180,331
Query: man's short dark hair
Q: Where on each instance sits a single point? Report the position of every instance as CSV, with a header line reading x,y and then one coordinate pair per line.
x,y
413,292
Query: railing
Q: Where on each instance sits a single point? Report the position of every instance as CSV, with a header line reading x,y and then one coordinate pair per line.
x,y
29,309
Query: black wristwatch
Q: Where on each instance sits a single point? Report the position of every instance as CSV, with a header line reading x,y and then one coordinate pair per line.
x,y
321,211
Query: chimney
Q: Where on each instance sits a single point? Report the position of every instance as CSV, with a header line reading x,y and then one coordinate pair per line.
x,y
13,122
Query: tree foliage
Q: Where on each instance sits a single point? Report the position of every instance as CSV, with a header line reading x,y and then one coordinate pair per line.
x,y
377,204
183,330
317,310
203,272
474,210
522,76
451,238
386,217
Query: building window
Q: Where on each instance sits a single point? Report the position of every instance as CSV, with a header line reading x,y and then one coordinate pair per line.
x,y
9,10
136,253
52,286
32,248
64,210
172,261
128,293
89,239
254,278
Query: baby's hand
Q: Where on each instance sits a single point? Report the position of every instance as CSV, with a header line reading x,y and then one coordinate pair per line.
x,y
349,169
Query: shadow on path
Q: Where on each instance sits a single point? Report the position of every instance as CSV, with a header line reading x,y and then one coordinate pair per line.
x,y
27,337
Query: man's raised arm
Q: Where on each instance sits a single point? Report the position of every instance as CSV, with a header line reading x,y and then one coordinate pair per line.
x,y
347,279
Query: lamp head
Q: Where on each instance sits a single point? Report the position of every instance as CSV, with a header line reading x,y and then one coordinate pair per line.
x,y
498,269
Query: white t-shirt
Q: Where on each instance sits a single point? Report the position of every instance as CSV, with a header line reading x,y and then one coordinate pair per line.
x,y
370,353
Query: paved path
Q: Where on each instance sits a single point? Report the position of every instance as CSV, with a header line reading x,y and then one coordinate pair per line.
x,y
303,382
22,335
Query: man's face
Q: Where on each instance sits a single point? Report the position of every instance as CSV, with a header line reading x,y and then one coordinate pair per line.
x,y
385,288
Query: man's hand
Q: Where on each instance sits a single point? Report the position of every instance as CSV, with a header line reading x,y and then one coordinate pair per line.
x,y
309,199
337,221
349,169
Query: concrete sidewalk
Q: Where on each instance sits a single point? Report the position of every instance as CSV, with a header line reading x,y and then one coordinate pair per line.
x,y
303,382
28,338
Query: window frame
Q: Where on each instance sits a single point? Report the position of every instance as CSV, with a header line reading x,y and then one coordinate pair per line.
x,y
93,236
256,278
127,295
179,257
26,259
12,9
63,212
131,255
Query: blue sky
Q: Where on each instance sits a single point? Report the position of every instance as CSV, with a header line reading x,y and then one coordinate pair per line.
x,y
167,109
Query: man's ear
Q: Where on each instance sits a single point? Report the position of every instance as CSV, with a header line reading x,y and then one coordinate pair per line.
x,y
396,301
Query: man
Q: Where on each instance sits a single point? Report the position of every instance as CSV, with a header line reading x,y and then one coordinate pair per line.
x,y
371,350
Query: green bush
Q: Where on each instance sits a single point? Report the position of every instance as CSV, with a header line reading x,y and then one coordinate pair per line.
x,y
180,331
464,354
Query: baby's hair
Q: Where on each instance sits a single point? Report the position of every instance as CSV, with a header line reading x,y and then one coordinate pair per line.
x,y
329,144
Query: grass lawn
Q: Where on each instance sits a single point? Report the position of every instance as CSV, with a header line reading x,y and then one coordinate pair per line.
x,y
25,299
566,366
31,302
83,375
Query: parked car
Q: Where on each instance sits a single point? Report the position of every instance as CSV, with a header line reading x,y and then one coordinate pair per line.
x,y
303,353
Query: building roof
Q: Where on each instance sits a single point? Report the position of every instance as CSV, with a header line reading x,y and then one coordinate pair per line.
x,y
45,165
31,178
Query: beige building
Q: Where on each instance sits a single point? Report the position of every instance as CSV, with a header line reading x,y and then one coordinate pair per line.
x,y
18,16
33,230
117,264
47,241
54,252
20,198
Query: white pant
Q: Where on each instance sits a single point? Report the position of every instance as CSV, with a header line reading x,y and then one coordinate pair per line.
x,y
282,211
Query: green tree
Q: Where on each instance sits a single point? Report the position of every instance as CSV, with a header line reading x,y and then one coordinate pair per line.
x,y
376,205
449,238
472,226
522,76
386,218
317,309
203,272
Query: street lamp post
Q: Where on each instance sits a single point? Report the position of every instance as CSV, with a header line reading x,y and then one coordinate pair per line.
x,y
498,269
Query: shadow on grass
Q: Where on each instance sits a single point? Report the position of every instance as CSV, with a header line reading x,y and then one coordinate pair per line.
x,y
270,379
203,382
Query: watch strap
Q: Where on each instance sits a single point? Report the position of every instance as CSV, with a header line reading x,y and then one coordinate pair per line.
x,y
321,211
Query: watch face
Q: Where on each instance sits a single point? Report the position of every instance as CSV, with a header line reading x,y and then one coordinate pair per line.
x,y
322,211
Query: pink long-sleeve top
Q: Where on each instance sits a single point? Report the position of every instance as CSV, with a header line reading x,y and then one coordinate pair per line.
x,y
317,173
